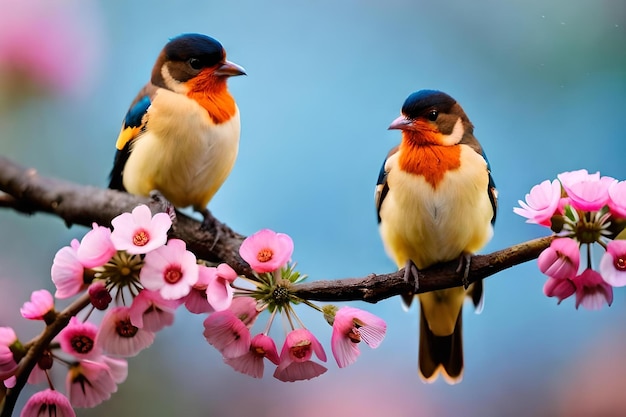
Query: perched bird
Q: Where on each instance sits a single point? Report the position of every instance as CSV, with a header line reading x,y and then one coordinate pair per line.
x,y
436,202
180,136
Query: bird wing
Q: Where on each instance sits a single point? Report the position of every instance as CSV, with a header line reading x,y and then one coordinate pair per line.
x,y
382,188
491,189
472,142
133,125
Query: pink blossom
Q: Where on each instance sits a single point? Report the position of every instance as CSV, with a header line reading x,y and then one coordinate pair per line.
x,y
617,199
38,375
266,250
67,272
591,290
251,363
541,203
559,288
561,259
89,383
219,293
99,295
351,326
96,247
587,192
139,232
613,263
36,36
40,304
118,368
295,357
79,339
244,308
171,270
149,311
227,333
196,301
118,336
49,403
8,366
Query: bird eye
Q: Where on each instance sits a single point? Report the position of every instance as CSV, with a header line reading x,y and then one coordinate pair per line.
x,y
195,63
432,115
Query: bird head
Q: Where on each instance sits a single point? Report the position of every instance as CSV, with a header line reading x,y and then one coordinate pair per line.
x,y
192,63
431,117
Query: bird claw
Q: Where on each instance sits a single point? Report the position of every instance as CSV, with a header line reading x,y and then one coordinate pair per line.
x,y
411,277
465,262
163,204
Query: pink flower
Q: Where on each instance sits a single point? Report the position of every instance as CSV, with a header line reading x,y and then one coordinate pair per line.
x,y
35,38
40,304
89,383
541,203
561,259
49,403
67,272
244,308
171,270
295,357
351,326
219,293
617,199
79,339
559,288
613,263
196,301
227,333
587,192
118,336
251,363
138,232
99,296
266,250
591,290
96,247
149,311
118,368
8,366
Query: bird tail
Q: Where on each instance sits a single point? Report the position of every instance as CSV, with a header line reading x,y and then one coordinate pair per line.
x,y
440,354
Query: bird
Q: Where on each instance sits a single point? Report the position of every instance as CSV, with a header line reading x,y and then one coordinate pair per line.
x,y
180,136
436,201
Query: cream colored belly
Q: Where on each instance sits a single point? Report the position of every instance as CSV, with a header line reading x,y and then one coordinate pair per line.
x,y
187,164
430,226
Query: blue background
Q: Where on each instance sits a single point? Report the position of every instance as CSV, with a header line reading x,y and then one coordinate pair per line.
x,y
544,84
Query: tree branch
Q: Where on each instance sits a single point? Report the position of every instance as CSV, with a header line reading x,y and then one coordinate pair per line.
x,y
28,192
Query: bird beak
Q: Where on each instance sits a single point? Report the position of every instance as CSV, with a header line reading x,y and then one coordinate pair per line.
x,y
229,69
401,123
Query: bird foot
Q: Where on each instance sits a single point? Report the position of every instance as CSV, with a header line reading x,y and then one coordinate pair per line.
x,y
163,205
465,262
411,277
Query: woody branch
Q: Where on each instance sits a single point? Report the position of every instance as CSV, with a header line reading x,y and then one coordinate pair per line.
x,y
28,192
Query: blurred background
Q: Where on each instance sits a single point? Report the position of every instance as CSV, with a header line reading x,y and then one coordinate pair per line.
x,y
543,82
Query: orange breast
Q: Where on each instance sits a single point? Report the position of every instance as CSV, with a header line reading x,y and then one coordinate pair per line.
x,y
211,93
430,161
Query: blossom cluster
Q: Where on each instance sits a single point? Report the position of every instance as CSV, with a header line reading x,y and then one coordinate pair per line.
x,y
139,278
585,211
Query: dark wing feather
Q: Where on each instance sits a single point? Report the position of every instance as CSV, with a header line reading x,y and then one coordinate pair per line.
x,y
382,188
491,189
134,124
